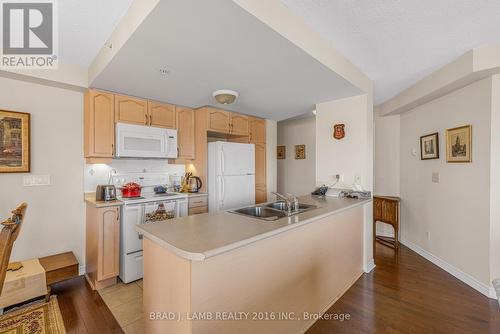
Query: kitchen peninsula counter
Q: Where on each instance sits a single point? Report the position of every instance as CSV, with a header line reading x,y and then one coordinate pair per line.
x,y
202,236
227,273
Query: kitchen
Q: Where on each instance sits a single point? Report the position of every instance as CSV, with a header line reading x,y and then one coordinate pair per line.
x,y
150,137
179,139
249,166
152,215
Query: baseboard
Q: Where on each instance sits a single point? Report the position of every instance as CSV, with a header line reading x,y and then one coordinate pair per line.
x,y
486,290
369,266
496,287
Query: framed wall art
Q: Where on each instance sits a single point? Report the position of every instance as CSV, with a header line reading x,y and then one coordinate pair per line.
x,y
281,152
459,144
300,151
14,142
429,146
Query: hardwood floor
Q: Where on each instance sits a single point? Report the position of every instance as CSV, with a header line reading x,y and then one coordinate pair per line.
x,y
404,294
408,294
83,310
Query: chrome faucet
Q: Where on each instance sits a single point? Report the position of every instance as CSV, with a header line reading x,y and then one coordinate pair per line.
x,y
291,201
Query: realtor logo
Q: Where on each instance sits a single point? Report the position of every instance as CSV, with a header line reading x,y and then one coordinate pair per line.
x,y
29,34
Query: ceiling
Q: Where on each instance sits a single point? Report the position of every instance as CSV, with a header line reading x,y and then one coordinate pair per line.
x,y
84,27
397,43
210,45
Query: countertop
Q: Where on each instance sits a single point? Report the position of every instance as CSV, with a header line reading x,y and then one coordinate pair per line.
x,y
193,195
206,235
90,198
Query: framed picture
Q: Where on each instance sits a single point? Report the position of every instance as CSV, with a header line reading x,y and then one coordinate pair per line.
x,y
281,152
300,151
429,146
14,142
459,144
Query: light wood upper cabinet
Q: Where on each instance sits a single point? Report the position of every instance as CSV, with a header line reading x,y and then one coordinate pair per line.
x,y
131,110
239,124
218,120
108,260
162,115
257,130
185,132
99,125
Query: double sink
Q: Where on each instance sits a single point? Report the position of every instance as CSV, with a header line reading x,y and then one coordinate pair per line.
x,y
272,211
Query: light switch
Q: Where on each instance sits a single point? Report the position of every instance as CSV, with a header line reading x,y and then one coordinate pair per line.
x,y
435,177
36,180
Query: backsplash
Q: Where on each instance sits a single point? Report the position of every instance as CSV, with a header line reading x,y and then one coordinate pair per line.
x,y
99,173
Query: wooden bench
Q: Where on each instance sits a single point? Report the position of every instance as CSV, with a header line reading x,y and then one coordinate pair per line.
x,y
58,268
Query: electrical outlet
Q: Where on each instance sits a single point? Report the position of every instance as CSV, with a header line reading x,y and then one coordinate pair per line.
x,y
36,180
435,177
428,236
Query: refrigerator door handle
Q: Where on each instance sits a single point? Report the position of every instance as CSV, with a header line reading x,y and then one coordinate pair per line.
x,y
223,192
222,160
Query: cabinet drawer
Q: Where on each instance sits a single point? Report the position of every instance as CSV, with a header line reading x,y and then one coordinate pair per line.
x,y
198,210
197,202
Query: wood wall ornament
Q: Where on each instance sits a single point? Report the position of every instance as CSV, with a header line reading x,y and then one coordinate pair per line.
x,y
338,131
14,142
300,151
281,152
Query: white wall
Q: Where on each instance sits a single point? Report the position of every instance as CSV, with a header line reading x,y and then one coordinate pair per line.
x,y
495,181
348,156
351,157
297,176
456,211
386,164
55,216
271,164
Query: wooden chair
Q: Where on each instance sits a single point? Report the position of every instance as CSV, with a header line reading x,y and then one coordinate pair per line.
x,y
8,235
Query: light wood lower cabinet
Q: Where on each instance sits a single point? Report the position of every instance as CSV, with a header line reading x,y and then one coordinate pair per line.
x,y
260,194
99,125
260,173
198,205
102,245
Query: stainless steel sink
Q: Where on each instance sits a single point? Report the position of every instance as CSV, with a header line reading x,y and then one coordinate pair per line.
x,y
272,211
282,206
260,212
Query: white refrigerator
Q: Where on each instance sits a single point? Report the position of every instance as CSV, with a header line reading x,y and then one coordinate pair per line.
x,y
231,175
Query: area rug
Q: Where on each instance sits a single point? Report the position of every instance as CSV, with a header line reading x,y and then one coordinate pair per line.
x,y
38,318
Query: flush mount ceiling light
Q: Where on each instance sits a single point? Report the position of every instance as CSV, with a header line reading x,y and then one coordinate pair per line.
x,y
225,96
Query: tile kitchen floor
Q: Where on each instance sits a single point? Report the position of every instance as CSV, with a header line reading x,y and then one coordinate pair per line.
x,y
125,302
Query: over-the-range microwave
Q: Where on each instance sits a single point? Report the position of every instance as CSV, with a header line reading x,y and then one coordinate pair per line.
x,y
138,141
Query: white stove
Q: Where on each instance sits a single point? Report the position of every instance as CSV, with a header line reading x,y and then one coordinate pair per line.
x,y
149,208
